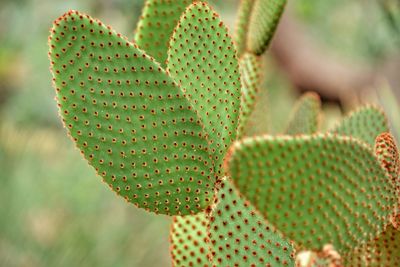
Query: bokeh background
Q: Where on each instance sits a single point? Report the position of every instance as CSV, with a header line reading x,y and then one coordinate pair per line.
x,y
54,211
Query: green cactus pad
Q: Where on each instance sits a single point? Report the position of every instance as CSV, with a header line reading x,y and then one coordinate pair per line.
x,y
239,236
129,118
242,25
305,117
156,25
317,190
250,68
381,251
365,124
264,19
202,59
188,239
388,154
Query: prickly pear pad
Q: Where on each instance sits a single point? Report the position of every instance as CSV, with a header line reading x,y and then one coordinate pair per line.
x,y
129,119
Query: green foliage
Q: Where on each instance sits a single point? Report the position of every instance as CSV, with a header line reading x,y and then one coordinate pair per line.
x,y
239,235
311,192
262,25
129,118
391,10
155,27
365,124
355,30
305,117
188,239
202,59
58,214
250,68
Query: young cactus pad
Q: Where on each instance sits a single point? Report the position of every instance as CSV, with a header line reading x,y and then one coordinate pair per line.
x,y
130,120
316,190
202,59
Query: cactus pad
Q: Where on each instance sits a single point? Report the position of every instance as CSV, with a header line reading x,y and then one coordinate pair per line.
x,y
305,117
129,118
317,190
188,240
264,19
243,18
250,68
365,124
202,59
383,251
388,154
239,235
156,25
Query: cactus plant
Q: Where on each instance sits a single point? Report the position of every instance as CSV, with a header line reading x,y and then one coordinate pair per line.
x,y
162,120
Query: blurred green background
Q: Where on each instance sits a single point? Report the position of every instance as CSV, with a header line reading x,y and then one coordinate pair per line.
x,y
54,211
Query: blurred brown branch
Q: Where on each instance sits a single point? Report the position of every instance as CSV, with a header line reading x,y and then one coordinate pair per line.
x,y
311,67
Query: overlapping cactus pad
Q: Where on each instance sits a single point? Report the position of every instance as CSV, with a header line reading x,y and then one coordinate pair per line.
x,y
317,190
129,118
239,235
155,27
189,245
202,59
305,117
366,124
